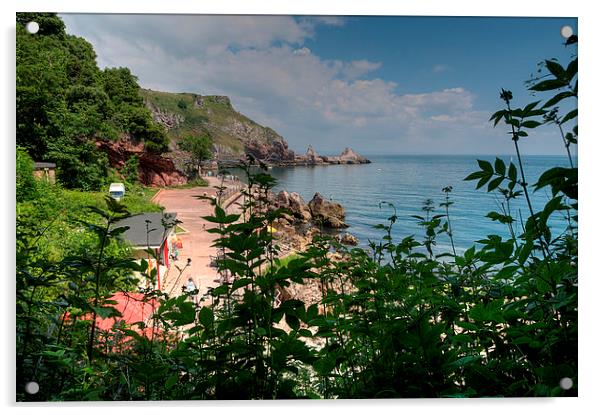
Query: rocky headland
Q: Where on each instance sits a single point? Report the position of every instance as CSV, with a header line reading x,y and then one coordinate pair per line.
x,y
233,134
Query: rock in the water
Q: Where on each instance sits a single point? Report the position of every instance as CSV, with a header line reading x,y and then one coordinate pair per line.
x,y
295,203
299,208
347,239
329,214
350,156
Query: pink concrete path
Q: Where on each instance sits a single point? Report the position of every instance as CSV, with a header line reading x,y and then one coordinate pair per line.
x,y
196,241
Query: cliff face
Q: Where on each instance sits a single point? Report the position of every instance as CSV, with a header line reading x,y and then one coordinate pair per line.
x,y
153,169
233,134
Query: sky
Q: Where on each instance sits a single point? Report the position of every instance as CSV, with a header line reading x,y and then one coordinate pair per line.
x,y
381,85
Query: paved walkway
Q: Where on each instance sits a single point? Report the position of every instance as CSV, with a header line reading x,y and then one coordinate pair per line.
x,y
197,241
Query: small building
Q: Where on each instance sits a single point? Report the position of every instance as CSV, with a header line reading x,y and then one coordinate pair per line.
x,y
45,171
151,231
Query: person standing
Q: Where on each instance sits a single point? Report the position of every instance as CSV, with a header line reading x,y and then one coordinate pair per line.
x,y
191,289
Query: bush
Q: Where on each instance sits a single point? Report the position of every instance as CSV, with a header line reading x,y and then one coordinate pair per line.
x,y
130,169
25,182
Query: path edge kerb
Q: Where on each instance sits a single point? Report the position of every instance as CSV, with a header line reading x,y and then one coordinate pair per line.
x,y
154,198
226,204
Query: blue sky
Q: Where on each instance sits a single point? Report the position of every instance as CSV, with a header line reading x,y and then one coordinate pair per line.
x,y
382,85
425,53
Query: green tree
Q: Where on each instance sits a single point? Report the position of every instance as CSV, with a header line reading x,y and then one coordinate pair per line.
x,y
66,104
25,182
200,149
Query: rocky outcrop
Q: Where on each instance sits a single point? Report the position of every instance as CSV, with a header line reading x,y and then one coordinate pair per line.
x,y
347,239
312,158
348,156
329,214
167,119
295,203
275,151
153,169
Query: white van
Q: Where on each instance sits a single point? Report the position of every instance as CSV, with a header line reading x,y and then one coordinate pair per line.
x,y
117,191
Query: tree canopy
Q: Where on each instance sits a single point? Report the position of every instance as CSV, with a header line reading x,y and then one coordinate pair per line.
x,y
65,103
199,147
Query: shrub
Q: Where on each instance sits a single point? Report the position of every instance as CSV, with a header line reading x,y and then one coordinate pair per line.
x,y
25,182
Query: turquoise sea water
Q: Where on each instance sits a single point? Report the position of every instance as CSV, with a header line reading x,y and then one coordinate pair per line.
x,y
406,182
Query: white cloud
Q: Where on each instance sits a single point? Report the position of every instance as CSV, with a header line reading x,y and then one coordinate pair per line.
x,y
263,64
440,68
330,20
302,51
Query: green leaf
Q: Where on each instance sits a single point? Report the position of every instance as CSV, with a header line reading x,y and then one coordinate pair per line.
x,y
475,175
512,172
556,69
305,333
495,216
106,312
530,124
529,107
241,282
325,365
467,325
569,116
524,252
548,85
482,182
292,321
312,312
465,361
557,98
494,184
206,317
507,272
485,166
498,116
172,380
500,166
571,70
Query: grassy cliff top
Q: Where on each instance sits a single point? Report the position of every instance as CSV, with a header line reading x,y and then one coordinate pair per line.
x,y
188,113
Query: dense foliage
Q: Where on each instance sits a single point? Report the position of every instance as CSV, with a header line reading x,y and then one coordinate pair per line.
x,y
499,319
65,103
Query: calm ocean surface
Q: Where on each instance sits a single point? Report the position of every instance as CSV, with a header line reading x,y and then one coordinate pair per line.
x,y
406,182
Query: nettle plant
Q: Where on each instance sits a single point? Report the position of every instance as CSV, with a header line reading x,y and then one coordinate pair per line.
x,y
397,320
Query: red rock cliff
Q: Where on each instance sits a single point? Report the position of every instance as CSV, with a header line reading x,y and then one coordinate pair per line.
x,y
153,169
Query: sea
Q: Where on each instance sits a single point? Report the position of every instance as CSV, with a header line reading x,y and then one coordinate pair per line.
x,y
367,192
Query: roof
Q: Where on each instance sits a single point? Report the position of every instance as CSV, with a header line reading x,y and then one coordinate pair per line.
x,y
143,234
134,308
43,165
116,187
